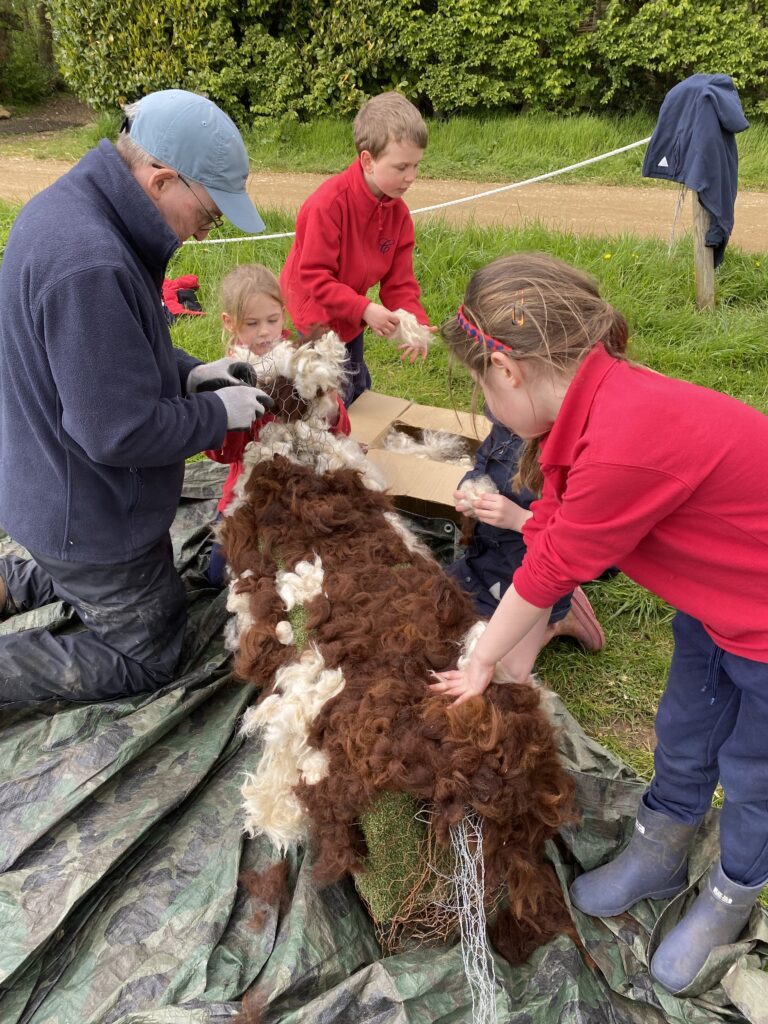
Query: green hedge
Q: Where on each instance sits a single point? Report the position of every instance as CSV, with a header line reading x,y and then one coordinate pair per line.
x,y
26,65
308,58
645,48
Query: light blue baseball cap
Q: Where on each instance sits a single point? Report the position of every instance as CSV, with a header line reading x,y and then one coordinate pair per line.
x,y
196,138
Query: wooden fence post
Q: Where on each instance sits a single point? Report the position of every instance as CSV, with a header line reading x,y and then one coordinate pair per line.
x,y
703,257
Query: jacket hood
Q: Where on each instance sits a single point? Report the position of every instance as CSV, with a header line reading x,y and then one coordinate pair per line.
x,y
725,99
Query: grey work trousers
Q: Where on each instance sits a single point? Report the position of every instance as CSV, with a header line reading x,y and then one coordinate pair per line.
x,y
134,615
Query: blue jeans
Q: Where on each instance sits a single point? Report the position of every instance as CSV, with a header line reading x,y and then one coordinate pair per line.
x,y
712,724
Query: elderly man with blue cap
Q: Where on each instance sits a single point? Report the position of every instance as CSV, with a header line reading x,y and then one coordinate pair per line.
x,y
98,410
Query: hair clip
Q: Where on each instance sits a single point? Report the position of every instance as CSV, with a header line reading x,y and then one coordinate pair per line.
x,y
518,309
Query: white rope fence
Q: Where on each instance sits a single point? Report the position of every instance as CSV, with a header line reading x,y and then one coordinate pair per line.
x,y
451,202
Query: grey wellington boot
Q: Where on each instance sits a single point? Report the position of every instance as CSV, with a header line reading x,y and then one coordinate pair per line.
x,y
653,866
716,918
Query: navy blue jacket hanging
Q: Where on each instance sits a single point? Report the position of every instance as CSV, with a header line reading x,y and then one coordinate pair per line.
x,y
693,143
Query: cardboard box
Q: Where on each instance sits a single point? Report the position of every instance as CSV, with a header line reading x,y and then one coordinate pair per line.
x,y
423,486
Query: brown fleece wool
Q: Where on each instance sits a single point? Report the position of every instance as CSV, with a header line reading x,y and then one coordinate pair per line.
x,y
268,887
288,406
388,618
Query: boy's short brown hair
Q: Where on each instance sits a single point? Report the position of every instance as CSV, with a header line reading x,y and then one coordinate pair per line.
x,y
388,117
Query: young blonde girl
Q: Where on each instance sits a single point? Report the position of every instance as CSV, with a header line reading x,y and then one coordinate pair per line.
x,y
253,311
253,322
638,471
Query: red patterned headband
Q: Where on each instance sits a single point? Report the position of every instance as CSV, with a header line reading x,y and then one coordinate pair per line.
x,y
518,319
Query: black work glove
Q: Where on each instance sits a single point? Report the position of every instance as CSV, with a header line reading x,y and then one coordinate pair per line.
x,y
222,373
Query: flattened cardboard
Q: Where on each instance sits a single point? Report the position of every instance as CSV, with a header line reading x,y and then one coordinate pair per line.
x,y
424,486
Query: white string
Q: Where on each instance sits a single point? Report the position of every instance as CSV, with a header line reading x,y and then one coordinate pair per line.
x,y
240,238
469,881
468,907
449,202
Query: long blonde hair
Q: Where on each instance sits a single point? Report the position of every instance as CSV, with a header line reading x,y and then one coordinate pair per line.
x,y
238,286
543,311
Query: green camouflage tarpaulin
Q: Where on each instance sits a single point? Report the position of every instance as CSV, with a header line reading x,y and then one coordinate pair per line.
x,y
121,845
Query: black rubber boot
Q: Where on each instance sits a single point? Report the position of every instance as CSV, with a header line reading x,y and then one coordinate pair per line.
x,y
716,918
653,866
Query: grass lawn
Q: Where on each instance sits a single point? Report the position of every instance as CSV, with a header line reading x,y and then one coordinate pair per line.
x,y
504,147
614,693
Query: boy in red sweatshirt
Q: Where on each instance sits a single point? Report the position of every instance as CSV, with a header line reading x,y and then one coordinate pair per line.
x,y
355,231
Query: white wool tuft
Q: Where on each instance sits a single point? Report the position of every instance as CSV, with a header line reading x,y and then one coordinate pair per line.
x,y
315,367
308,444
468,644
281,357
239,604
331,348
412,542
283,720
301,585
286,820
472,489
411,331
284,632
231,635
439,445
313,766
312,375
242,354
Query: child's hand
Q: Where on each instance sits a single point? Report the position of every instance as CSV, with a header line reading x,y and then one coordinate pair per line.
x,y
464,684
414,350
380,320
496,510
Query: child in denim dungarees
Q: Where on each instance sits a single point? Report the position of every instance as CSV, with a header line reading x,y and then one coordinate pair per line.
x,y
495,551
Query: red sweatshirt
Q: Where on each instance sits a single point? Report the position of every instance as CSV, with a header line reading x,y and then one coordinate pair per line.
x,y
346,241
233,449
666,480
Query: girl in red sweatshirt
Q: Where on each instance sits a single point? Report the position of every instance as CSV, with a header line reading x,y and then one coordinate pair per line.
x,y
253,322
639,471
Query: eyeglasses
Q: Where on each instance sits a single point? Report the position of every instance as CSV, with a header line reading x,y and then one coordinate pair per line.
x,y
213,220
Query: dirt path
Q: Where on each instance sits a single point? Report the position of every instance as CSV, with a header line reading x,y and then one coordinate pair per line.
x,y
602,210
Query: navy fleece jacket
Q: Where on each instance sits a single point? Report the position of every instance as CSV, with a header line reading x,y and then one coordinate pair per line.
x,y
94,421
693,142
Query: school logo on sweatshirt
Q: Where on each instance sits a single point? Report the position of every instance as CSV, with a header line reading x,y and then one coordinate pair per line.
x,y
385,244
